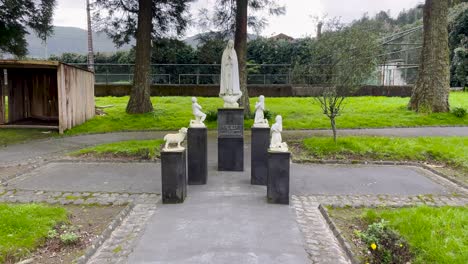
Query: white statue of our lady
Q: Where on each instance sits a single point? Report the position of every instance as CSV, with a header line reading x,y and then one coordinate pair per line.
x,y
276,143
260,120
230,86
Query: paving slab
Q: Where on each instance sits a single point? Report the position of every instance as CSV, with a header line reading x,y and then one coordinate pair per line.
x,y
232,224
309,179
92,177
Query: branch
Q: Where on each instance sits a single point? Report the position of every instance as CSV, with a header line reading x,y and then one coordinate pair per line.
x,y
128,9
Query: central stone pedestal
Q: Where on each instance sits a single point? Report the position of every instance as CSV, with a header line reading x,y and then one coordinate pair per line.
x,y
231,139
197,155
278,177
173,176
259,155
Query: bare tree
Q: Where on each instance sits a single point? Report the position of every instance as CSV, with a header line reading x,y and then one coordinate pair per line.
x,y
339,63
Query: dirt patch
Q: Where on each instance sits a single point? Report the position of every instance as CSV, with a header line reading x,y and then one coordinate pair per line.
x,y
87,222
348,221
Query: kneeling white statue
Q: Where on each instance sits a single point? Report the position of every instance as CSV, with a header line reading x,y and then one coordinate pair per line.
x,y
175,139
276,143
260,120
229,85
199,115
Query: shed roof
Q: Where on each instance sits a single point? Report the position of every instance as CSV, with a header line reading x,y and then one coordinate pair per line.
x,y
34,64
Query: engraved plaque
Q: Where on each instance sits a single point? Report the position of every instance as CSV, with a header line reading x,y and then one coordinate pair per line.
x,y
230,123
230,131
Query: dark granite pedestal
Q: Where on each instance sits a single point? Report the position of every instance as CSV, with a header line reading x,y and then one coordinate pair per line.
x,y
231,139
259,155
278,177
173,176
197,155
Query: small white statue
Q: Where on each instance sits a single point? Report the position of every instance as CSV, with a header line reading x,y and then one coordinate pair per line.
x,y
175,139
199,115
230,86
276,143
260,120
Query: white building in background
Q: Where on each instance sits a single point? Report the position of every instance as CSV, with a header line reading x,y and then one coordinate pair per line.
x,y
392,74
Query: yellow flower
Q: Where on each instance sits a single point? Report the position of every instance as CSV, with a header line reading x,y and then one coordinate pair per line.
x,y
373,246
401,245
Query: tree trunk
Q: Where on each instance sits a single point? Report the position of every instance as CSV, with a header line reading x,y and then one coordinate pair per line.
x,y
333,125
432,88
140,99
90,39
240,44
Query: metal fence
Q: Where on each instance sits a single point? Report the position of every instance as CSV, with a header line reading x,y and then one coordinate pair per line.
x,y
391,73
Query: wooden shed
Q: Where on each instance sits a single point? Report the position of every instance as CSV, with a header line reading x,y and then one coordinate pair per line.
x,y
45,94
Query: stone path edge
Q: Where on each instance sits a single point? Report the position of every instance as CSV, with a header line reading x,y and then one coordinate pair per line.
x,y
395,163
99,241
338,234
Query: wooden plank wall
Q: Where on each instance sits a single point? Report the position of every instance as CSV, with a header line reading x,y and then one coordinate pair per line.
x,y
32,93
43,95
2,98
76,96
17,103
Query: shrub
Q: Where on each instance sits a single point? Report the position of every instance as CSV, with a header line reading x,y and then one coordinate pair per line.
x,y
69,238
52,234
269,114
384,245
459,112
211,116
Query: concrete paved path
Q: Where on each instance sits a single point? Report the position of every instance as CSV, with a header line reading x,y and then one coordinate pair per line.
x,y
40,149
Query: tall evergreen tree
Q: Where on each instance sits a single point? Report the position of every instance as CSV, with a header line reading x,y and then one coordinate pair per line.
x,y
432,88
17,16
144,20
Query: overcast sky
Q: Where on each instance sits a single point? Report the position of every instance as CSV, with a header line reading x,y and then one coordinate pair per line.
x,y
297,22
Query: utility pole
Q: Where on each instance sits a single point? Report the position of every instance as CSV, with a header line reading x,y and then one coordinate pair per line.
x,y
319,29
90,39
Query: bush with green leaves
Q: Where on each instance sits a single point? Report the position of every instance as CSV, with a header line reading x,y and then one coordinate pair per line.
x,y
211,116
269,114
69,238
384,245
459,112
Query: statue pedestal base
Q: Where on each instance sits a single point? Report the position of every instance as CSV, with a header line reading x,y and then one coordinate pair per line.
x,y
231,139
278,177
259,155
173,176
197,156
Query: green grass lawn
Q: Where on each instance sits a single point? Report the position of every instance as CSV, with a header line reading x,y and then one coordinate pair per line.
x,y
140,149
24,227
172,113
450,150
435,235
